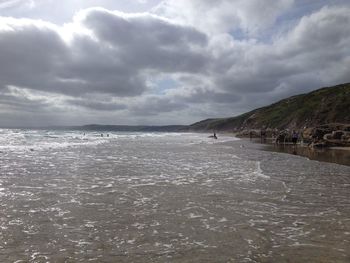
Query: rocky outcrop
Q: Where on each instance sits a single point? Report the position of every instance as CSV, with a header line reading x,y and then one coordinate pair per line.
x,y
328,135
333,134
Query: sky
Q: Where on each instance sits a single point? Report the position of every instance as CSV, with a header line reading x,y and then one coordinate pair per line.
x,y
160,62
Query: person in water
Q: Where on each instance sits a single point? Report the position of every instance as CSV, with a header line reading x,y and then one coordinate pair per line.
x,y
263,135
213,136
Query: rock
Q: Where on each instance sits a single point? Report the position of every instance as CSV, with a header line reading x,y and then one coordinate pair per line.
x,y
319,145
307,133
337,135
319,133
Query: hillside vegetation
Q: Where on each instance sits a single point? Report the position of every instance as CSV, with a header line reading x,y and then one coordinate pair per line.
x,y
326,105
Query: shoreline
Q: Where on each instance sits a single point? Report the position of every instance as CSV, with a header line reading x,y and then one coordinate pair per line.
x,y
337,155
340,148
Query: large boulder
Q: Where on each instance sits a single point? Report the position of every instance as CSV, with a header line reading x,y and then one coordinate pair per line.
x,y
319,132
337,135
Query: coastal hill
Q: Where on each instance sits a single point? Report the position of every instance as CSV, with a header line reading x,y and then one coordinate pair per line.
x,y
322,106
325,105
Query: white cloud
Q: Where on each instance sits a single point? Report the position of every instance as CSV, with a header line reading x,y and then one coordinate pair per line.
x,y
225,15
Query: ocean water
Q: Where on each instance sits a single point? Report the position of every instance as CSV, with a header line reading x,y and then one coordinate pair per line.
x,y
158,197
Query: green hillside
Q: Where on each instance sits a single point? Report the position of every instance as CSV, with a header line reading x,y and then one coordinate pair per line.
x,y
326,105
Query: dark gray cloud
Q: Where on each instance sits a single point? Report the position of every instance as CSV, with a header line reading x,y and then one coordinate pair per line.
x,y
154,105
13,99
205,95
112,60
30,54
146,41
96,105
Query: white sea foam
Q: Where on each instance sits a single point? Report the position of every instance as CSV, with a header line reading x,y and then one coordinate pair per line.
x,y
259,172
159,195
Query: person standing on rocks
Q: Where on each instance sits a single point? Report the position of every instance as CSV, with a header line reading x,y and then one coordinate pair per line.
x,y
295,137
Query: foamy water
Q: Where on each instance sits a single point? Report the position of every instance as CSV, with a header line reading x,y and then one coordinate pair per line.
x,y
152,197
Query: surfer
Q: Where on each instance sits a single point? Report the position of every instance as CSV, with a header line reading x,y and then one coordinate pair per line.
x,y
213,136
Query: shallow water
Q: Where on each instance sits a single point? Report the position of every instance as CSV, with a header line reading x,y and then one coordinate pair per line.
x,y
66,197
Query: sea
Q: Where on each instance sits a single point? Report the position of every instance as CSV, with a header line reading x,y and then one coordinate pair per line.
x,y
70,196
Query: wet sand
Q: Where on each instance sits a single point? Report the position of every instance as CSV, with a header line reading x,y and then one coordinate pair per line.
x,y
338,155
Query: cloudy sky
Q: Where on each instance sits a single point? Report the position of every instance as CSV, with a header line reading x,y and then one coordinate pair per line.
x,y
164,62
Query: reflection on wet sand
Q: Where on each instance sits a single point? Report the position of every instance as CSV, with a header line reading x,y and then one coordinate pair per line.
x,y
338,156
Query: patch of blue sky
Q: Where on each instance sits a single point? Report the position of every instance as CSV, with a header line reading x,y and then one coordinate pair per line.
x,y
164,84
238,34
264,36
287,20
304,8
291,17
